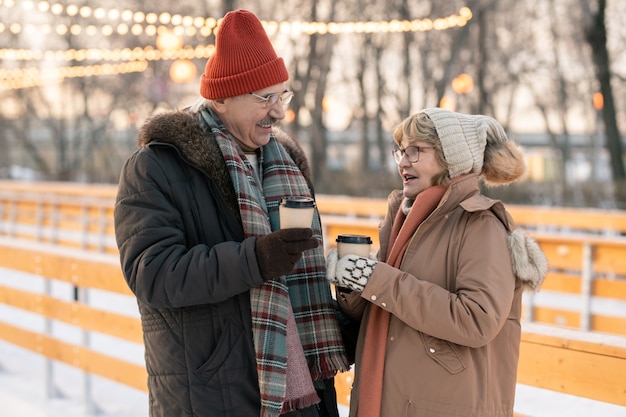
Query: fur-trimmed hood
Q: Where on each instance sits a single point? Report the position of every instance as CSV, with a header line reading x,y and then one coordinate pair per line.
x,y
184,130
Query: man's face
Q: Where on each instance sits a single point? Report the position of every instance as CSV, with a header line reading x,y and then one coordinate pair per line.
x,y
249,119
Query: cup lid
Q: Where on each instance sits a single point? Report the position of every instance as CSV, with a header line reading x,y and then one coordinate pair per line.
x,y
354,239
297,202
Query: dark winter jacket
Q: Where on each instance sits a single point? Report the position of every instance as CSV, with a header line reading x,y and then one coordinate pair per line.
x,y
176,218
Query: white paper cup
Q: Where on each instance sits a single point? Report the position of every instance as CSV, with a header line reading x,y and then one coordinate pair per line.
x,y
353,244
296,212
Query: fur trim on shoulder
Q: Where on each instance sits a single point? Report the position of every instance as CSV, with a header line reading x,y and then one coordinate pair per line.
x,y
527,259
170,127
183,130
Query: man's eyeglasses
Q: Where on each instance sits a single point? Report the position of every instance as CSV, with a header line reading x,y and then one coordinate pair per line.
x,y
271,99
412,153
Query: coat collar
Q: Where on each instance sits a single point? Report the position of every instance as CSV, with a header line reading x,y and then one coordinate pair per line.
x,y
527,259
184,130
463,191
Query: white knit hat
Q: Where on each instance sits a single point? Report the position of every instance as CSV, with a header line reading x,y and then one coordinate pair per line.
x,y
464,137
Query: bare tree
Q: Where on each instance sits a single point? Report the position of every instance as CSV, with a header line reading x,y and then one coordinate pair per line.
x,y
523,56
596,33
66,128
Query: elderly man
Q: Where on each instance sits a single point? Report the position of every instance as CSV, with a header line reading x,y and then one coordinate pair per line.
x,y
237,316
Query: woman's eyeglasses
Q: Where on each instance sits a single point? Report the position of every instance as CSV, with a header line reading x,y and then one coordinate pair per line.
x,y
271,99
412,153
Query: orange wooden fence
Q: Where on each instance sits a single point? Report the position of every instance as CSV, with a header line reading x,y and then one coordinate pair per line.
x,y
64,232
585,247
567,361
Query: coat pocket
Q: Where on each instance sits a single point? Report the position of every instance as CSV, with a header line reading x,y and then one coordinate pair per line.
x,y
230,352
443,352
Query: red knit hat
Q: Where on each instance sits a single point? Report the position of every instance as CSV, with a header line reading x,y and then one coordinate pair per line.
x,y
244,59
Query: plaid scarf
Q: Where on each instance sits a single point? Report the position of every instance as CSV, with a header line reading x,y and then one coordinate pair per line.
x,y
305,290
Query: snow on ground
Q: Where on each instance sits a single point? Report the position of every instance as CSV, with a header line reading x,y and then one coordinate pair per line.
x,y
24,391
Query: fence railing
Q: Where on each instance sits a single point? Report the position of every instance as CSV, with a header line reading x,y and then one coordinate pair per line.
x,y
567,361
64,233
63,214
585,247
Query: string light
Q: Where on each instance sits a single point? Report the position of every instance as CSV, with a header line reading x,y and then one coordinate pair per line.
x,y
32,77
120,54
208,25
137,61
189,26
137,23
182,71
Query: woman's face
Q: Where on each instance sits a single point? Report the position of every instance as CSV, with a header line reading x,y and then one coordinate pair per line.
x,y
418,176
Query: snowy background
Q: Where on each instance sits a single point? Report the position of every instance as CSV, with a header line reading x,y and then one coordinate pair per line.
x,y
23,388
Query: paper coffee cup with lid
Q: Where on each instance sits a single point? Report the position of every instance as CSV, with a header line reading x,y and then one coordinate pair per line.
x,y
296,211
360,245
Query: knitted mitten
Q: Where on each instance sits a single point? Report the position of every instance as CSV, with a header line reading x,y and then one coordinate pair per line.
x,y
351,271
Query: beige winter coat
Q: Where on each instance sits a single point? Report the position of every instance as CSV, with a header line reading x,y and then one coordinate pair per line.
x,y
455,304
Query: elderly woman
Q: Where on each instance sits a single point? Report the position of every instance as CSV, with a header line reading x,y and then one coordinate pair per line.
x,y
440,308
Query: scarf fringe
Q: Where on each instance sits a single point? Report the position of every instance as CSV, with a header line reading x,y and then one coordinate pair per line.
x,y
300,403
328,367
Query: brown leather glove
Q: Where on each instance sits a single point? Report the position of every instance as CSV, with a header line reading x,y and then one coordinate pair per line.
x,y
278,252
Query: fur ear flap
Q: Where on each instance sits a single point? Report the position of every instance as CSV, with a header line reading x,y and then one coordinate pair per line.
x,y
527,259
504,163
